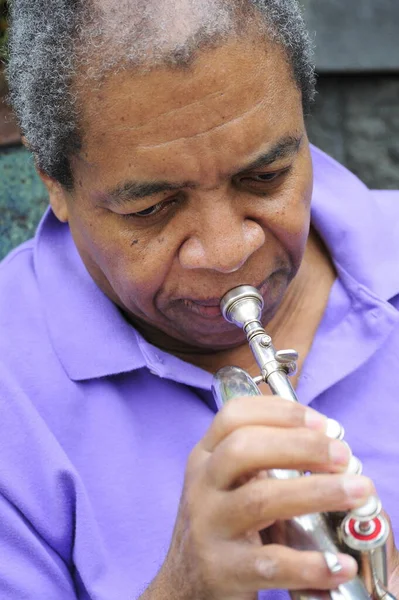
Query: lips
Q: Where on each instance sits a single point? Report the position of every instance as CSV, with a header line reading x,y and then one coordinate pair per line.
x,y
210,307
210,302
203,309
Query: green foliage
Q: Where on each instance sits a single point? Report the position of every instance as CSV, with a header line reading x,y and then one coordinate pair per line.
x,y
3,28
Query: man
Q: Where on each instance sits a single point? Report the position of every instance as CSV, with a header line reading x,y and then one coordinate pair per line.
x,y
171,139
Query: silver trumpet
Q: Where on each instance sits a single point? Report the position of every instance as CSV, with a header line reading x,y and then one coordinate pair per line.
x,y
363,532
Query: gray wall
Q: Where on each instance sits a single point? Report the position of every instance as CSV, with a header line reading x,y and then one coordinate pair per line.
x,y
356,115
354,35
356,120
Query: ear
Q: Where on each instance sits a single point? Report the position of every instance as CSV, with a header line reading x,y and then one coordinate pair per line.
x,y
57,194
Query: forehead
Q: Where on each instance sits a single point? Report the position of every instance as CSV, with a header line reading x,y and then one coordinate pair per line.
x,y
231,101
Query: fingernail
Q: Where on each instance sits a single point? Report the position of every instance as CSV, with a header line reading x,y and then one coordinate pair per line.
x,y
357,486
349,567
339,452
315,420
334,430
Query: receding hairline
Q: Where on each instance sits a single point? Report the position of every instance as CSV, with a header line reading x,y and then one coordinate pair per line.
x,y
48,36
166,51
251,34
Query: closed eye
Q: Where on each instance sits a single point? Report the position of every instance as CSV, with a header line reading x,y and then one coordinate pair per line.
x,y
154,210
266,177
263,181
260,182
148,212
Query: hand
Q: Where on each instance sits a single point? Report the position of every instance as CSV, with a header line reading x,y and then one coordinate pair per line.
x,y
216,551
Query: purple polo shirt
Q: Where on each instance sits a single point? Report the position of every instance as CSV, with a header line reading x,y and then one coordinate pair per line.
x,y
96,424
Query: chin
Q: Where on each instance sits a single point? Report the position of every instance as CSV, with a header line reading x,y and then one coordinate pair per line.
x,y
213,340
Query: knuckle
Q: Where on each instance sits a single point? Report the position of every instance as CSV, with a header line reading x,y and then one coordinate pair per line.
x,y
312,572
232,413
236,446
194,456
227,419
267,567
327,489
355,488
257,502
295,413
319,488
309,575
195,463
315,445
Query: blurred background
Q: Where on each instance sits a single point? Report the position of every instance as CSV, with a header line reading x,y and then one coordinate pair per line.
x,y
355,118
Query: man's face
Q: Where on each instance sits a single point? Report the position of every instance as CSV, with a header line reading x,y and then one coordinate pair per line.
x,y
190,183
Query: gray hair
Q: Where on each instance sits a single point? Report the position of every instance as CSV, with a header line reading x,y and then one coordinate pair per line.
x,y
57,44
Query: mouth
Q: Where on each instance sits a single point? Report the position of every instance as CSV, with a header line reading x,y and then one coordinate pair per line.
x,y
210,307
204,308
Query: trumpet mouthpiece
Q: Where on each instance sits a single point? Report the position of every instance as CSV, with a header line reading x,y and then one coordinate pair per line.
x,y
242,305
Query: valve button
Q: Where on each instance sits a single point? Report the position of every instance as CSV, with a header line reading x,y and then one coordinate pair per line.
x,y
286,356
368,511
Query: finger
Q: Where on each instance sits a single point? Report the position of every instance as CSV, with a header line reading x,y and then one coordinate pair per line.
x,y
281,567
260,410
250,449
258,503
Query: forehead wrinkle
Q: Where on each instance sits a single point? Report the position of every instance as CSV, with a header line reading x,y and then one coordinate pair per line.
x,y
168,113
220,127
246,84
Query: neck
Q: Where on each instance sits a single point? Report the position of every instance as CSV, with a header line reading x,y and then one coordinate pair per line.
x,y
308,293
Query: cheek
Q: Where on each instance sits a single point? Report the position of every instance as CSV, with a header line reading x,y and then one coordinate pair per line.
x,y
122,261
290,214
299,196
134,267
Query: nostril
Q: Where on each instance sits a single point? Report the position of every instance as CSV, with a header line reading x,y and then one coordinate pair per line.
x,y
224,268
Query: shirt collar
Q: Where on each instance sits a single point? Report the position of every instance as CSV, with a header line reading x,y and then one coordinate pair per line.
x,y
88,332
91,337
360,235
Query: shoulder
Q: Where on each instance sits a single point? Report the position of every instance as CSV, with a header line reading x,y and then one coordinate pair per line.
x,y
38,501
20,302
20,258
359,226
27,356
332,173
17,277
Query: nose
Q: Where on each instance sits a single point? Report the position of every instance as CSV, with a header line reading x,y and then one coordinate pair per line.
x,y
223,242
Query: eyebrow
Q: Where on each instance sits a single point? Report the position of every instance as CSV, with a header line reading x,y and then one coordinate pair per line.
x,y
135,190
